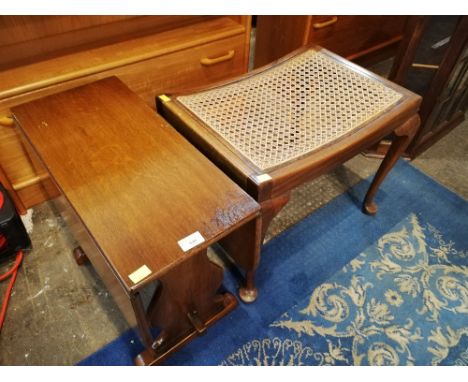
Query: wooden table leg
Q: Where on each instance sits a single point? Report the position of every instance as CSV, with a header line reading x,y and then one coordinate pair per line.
x,y
248,292
271,208
244,245
149,354
403,137
186,302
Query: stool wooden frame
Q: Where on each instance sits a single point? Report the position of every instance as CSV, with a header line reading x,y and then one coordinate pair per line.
x,y
272,188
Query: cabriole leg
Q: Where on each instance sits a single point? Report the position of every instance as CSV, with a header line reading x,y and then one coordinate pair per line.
x,y
404,135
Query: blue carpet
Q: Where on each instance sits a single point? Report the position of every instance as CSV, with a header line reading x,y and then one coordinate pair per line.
x,y
343,288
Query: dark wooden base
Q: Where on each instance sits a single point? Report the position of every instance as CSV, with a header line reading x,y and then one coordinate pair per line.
x,y
150,358
186,301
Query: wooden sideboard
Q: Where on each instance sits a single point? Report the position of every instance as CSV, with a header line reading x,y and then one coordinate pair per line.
x,y
353,37
43,55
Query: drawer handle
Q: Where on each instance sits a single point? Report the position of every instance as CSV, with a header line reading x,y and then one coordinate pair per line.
x,y
6,121
425,66
211,61
29,182
325,24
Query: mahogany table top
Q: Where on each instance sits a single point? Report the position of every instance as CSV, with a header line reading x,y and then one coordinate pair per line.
x,y
136,184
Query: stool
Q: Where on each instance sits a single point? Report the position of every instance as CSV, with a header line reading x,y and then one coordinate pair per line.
x,y
287,123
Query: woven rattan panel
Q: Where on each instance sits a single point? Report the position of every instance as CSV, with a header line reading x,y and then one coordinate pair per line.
x,y
292,109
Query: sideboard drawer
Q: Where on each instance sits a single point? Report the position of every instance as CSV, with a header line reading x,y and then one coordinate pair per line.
x,y
166,73
174,54
351,36
171,72
185,69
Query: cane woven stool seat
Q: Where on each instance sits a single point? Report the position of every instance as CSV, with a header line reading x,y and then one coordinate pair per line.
x,y
282,125
291,109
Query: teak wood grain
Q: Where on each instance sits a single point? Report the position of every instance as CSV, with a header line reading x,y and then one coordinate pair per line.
x,y
71,66
118,162
352,37
44,55
58,35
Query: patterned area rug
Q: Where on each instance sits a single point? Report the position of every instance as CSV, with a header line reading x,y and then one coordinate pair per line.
x,y
401,301
327,297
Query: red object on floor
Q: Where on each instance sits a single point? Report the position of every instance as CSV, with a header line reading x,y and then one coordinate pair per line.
x,y
3,241
12,272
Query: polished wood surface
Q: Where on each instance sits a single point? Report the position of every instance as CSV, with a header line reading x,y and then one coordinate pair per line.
x,y
44,73
273,191
58,35
277,36
150,54
131,189
349,36
116,161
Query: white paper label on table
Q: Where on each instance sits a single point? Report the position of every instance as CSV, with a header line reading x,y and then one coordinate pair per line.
x,y
139,274
191,241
